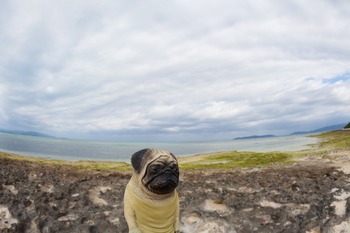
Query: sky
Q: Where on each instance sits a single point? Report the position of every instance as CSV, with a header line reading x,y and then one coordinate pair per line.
x,y
173,70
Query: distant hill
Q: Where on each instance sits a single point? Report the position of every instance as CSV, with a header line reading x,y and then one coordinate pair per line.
x,y
256,136
320,130
26,133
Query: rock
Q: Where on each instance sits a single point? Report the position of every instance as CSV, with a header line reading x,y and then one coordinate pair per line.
x,y
211,205
11,188
48,188
196,224
314,230
340,204
69,217
265,203
343,227
6,219
94,196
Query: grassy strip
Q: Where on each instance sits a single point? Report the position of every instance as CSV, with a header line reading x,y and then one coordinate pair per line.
x,y
90,165
230,159
334,140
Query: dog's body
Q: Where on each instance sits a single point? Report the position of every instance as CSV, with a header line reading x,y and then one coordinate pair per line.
x,y
151,201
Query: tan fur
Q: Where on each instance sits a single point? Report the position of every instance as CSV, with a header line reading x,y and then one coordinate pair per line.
x,y
137,187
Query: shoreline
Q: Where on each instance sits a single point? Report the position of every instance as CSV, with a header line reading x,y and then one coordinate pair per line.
x,y
121,151
315,153
192,158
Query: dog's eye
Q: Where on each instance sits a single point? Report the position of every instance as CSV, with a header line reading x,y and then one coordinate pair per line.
x,y
155,169
174,167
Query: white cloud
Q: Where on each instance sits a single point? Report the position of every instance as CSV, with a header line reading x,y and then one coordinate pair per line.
x,y
218,69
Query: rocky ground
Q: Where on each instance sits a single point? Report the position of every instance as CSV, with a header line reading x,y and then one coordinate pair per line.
x,y
312,195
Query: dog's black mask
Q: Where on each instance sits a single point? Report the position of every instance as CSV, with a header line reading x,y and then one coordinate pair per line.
x,y
161,177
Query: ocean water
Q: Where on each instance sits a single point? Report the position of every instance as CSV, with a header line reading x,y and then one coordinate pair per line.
x,y
74,150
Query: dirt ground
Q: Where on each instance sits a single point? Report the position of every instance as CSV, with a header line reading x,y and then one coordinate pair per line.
x,y
312,196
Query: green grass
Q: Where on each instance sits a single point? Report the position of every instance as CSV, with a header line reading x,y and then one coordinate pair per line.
x,y
334,140
225,160
90,165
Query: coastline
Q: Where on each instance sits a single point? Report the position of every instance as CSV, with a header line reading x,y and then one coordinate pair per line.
x,y
308,193
75,150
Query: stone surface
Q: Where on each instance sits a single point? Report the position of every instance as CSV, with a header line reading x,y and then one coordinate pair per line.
x,y
302,197
6,219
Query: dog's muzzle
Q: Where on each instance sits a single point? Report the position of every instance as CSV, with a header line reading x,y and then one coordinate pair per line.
x,y
164,183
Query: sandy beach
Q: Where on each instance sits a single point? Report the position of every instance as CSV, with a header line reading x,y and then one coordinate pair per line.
x,y
312,195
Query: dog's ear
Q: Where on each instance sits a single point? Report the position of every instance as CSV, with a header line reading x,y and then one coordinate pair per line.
x,y
137,157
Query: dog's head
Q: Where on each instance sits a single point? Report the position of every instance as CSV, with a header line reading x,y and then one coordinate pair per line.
x,y
157,170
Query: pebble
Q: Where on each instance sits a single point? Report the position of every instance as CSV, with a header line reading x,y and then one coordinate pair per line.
x,y
6,219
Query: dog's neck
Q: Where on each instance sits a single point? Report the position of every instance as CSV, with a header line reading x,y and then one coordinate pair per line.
x,y
144,194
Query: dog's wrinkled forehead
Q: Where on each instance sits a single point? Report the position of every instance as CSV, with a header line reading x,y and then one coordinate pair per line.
x,y
140,158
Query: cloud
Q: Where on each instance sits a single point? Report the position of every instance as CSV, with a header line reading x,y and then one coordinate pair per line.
x,y
173,70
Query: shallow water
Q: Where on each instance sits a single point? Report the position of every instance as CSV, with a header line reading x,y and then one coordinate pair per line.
x,y
73,150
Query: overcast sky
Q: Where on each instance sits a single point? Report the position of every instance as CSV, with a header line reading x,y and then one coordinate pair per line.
x,y
173,70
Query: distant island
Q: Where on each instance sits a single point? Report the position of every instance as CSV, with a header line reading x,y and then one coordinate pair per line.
x,y
320,130
256,136
25,133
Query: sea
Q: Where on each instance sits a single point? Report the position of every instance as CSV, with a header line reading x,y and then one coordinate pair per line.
x,y
76,150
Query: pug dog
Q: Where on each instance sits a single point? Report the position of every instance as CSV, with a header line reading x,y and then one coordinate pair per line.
x,y
151,202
